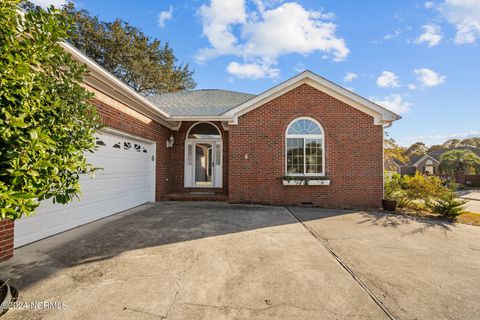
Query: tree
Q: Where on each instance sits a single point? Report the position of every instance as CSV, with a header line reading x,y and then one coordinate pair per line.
x,y
452,143
471,142
435,147
46,121
393,151
455,161
145,64
417,149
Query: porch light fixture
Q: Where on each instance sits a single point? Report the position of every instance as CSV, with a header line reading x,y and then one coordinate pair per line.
x,y
170,141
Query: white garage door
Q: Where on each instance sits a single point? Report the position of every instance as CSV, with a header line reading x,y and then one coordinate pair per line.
x,y
127,180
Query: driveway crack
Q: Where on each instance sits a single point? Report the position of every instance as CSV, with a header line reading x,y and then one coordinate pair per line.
x,y
344,265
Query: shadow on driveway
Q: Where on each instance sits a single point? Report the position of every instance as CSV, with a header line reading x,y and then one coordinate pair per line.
x,y
150,225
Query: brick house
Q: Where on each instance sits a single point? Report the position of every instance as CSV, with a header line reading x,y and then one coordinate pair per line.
x,y
306,140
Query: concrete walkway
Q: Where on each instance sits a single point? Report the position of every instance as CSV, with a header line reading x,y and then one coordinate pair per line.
x,y
471,194
190,260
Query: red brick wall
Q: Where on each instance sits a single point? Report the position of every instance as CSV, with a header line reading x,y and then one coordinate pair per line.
x,y
353,147
6,240
178,158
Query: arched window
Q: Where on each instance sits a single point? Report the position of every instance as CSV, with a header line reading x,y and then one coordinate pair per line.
x,y
305,148
204,130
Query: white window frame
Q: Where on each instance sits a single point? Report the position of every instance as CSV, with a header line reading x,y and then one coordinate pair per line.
x,y
305,137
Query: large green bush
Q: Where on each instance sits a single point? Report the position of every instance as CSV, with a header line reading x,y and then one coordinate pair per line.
x,y
424,193
46,122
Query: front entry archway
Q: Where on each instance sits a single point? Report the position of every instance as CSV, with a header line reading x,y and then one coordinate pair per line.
x,y
203,156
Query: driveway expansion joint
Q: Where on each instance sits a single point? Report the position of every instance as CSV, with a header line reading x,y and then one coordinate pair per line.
x,y
344,265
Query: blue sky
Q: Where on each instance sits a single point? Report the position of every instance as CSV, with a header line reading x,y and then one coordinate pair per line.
x,y
419,58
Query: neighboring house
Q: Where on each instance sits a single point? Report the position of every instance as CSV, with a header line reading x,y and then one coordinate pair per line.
x,y
217,143
393,165
427,163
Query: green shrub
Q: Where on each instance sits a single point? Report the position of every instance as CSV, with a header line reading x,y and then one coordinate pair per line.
x,y
393,184
421,190
46,121
424,193
448,206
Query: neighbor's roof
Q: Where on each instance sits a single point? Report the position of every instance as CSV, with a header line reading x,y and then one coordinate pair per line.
x,y
206,102
436,155
398,162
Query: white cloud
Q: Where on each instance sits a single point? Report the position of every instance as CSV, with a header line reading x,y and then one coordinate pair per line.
x,y
164,16
428,5
465,16
252,70
432,35
393,102
266,32
349,77
48,3
217,21
428,77
412,86
299,67
388,36
388,80
438,138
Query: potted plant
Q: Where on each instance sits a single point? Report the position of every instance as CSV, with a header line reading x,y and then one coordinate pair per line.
x,y
8,294
391,187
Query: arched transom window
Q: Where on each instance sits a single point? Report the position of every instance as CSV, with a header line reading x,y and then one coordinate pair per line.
x,y
305,148
203,130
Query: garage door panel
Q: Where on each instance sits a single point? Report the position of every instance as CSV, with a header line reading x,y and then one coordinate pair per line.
x,y
125,181
122,183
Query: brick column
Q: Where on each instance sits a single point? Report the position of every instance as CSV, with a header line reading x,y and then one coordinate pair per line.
x,y
6,239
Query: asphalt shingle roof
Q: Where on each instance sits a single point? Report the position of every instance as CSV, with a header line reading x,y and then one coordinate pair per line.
x,y
207,102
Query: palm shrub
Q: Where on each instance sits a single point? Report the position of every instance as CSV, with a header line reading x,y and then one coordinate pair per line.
x,y
455,161
46,121
449,206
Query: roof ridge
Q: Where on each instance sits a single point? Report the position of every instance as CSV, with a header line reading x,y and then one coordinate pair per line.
x,y
225,90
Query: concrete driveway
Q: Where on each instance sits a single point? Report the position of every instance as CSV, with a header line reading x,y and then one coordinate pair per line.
x,y
473,199
174,260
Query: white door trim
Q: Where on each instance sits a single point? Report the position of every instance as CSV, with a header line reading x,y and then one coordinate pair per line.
x,y
189,171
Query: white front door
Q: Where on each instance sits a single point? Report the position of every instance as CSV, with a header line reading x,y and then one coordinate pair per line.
x,y
203,164
126,180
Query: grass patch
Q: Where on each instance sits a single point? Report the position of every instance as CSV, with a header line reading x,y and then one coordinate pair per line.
x,y
469,218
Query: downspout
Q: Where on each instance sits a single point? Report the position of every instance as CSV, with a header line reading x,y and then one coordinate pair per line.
x,y
385,126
